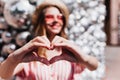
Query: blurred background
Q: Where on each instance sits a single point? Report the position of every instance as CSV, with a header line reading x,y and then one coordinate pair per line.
x,y
93,24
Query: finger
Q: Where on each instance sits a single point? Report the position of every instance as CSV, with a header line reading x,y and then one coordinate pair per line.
x,y
61,44
37,44
41,39
56,39
59,39
46,39
33,45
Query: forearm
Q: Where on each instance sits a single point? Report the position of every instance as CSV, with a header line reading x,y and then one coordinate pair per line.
x,y
89,61
7,67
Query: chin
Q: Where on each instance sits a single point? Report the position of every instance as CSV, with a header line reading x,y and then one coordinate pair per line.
x,y
56,32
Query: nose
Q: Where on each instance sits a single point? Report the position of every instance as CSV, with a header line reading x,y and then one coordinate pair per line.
x,y
55,18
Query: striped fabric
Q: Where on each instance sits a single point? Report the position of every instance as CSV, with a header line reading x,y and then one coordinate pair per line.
x,y
60,70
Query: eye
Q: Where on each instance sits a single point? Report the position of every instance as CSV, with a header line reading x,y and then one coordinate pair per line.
x,y
49,16
52,17
60,17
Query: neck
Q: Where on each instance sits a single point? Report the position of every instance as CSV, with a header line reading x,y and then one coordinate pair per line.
x,y
51,37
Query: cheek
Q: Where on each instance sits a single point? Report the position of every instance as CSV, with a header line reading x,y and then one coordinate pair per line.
x,y
60,20
51,21
48,21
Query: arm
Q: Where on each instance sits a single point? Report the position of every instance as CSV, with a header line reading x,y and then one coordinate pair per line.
x,y
75,54
26,53
7,67
89,61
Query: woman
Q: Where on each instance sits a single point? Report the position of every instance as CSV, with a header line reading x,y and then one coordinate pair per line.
x,y
49,56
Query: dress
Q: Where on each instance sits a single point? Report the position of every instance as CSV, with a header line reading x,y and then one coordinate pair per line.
x,y
60,70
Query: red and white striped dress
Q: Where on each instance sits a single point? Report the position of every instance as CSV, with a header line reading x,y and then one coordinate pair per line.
x,y
60,70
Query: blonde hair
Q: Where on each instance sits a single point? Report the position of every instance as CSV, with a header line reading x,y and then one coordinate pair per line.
x,y
39,23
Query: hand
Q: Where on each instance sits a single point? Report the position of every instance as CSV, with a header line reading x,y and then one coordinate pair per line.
x,y
28,52
67,50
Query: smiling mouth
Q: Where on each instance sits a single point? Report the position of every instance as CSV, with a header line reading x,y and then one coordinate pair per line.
x,y
54,25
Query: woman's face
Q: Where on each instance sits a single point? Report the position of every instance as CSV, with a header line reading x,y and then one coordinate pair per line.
x,y
53,21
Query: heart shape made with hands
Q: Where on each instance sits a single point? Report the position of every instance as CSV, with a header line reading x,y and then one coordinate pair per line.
x,y
51,52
